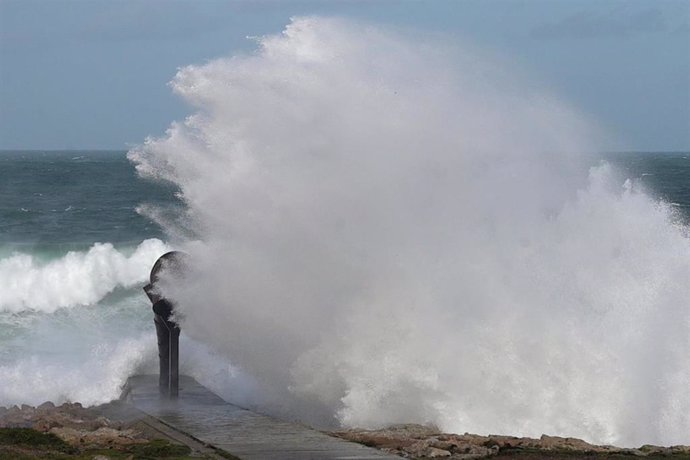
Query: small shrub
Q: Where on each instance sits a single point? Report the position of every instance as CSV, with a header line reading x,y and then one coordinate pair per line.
x,y
31,438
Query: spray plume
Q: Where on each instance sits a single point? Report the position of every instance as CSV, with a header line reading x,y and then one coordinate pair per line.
x,y
401,231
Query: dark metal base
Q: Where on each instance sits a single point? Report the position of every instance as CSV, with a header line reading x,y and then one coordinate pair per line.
x,y
168,353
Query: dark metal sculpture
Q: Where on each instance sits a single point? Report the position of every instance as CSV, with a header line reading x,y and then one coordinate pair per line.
x,y
167,330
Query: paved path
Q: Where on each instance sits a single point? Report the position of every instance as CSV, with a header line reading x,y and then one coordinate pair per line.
x,y
203,415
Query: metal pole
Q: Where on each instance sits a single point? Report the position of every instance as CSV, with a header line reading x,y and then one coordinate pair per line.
x,y
167,332
174,376
168,356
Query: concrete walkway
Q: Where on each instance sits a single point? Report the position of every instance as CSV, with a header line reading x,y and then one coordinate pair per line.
x,y
204,416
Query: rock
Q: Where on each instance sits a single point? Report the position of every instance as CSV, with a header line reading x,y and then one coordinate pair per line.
x,y
44,425
411,430
13,410
433,452
556,442
102,421
46,406
423,449
102,437
69,435
417,448
445,444
47,416
509,441
419,441
675,450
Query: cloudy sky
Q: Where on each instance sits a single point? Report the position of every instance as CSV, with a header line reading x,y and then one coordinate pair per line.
x,y
93,74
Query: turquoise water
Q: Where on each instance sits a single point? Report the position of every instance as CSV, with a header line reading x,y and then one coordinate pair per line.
x,y
75,252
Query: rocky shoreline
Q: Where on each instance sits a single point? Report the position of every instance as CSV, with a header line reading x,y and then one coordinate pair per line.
x,y
421,442
71,431
115,430
73,423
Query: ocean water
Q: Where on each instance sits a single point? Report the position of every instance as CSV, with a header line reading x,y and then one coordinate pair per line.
x,y
75,252
665,176
60,200
69,222
383,228
73,256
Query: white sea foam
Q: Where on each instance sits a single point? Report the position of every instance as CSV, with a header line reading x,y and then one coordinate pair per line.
x,y
62,339
78,278
87,353
92,376
397,231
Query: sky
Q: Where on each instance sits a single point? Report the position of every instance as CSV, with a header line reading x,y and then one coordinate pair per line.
x,y
93,74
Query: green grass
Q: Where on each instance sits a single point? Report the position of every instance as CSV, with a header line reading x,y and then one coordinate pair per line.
x,y
29,444
31,438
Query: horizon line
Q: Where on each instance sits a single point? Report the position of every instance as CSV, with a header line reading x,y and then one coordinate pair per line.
x,y
111,150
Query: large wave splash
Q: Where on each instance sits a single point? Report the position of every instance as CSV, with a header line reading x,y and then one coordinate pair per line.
x,y
403,231
74,327
80,357
78,278
90,371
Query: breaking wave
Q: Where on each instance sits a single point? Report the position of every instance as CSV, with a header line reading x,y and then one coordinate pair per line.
x,y
77,278
396,230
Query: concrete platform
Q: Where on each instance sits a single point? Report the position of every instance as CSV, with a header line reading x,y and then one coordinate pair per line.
x,y
204,416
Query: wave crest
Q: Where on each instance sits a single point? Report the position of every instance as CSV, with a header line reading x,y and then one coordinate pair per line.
x,y
78,278
396,232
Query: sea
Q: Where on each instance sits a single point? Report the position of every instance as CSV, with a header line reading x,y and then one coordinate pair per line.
x,y
74,255
76,249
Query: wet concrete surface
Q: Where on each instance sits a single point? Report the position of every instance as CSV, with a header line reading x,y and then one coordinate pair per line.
x,y
205,416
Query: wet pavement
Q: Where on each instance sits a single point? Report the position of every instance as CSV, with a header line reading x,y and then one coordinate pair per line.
x,y
203,415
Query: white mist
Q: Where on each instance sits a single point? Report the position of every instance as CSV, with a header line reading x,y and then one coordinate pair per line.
x,y
395,231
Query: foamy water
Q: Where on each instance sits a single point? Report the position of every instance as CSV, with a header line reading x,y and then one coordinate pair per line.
x,y
386,230
78,278
403,231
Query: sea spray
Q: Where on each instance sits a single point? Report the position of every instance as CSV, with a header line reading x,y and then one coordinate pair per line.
x,y
74,328
93,373
78,278
399,231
